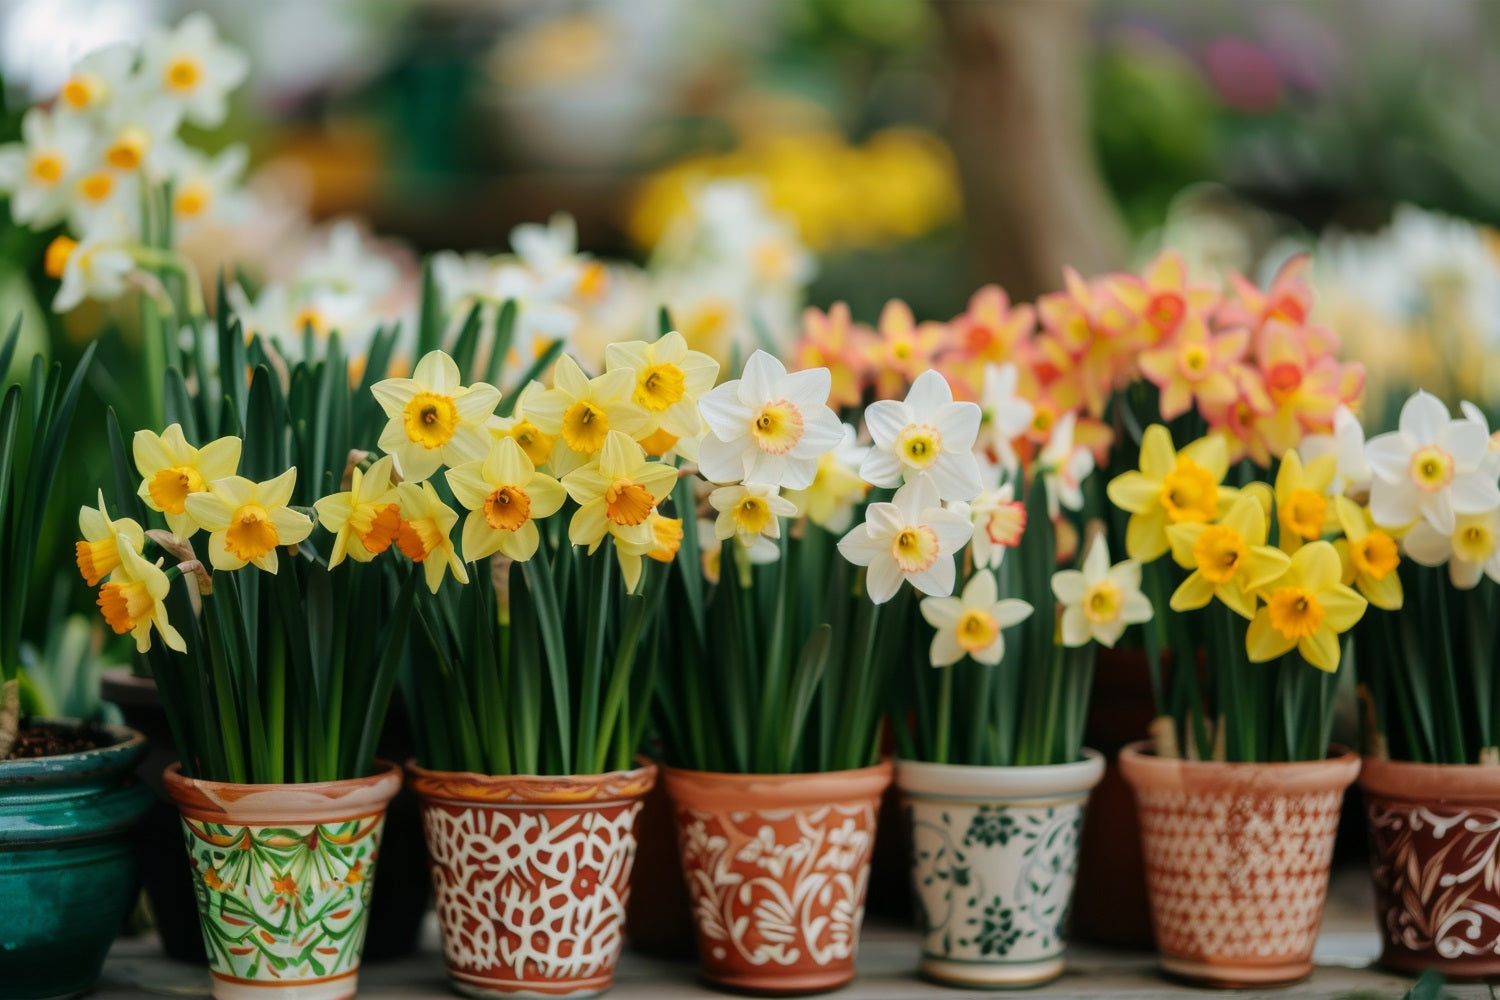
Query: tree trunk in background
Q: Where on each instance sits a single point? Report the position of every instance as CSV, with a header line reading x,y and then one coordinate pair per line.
x,y
1033,198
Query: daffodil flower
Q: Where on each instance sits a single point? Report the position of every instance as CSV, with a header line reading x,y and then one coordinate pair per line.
x,y
669,381
1307,608
98,78
1230,560
1171,487
1064,465
426,534
836,487
98,555
927,434
193,69
97,268
913,537
1304,508
972,625
710,550
1471,549
750,514
248,521
615,497
505,496
133,602
1006,415
1192,364
666,533
1431,467
580,412
36,171
536,444
365,519
172,470
1100,600
999,522
1371,557
1347,446
433,420
768,426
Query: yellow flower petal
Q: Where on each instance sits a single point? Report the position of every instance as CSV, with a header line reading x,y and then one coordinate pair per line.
x,y
1262,642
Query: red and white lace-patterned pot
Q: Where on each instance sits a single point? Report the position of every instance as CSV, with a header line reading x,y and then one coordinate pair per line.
x,y
531,875
1237,860
777,866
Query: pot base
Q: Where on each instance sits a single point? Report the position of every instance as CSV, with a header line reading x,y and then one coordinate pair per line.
x,y
1235,975
990,975
787,984
330,988
1475,969
488,989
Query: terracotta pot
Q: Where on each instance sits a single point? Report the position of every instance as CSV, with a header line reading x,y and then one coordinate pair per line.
x,y
1237,859
531,875
1434,852
283,876
777,866
994,850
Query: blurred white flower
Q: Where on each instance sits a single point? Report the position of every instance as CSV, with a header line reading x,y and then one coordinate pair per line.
x,y
1347,445
97,268
1432,467
35,172
999,522
1006,415
193,69
1064,465
1471,549
1100,600
97,79
207,188
836,487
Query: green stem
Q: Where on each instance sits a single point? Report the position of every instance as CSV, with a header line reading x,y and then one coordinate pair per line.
x,y
944,714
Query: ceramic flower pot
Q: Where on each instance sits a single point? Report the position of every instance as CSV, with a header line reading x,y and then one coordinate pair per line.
x,y
283,876
531,875
1434,853
994,851
67,864
777,866
1237,859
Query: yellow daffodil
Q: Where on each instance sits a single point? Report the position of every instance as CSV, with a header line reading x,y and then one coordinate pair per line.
x,y
1307,608
132,601
505,496
710,550
751,514
616,495
667,534
434,420
98,555
669,380
1371,557
364,520
172,470
248,521
1171,487
1304,510
536,445
581,412
426,535
1230,560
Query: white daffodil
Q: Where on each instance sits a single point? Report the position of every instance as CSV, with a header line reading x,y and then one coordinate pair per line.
x,y
36,172
193,69
972,624
836,487
927,434
999,521
97,79
139,133
1064,466
207,188
1471,549
767,426
669,381
751,515
1432,468
910,538
1347,445
434,420
101,199
1006,415
1100,600
1491,461
99,268
550,254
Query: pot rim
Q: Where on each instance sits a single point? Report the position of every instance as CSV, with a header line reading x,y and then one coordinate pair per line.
x,y
477,788
1412,781
929,780
250,804
130,744
1142,769
769,791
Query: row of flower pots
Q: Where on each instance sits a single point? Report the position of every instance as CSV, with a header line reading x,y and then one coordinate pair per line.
x,y
532,874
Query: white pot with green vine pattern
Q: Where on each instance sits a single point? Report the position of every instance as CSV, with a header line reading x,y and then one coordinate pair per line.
x,y
994,852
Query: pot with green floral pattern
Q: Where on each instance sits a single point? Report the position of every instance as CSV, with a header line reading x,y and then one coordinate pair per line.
x,y
994,851
283,875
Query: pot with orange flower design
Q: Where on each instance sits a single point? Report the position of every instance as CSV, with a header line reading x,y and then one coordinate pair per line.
x,y
532,875
282,875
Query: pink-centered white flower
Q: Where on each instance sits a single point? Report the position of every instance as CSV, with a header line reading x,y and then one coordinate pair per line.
x,y
913,537
999,522
1431,468
974,624
1100,600
767,426
1006,415
433,419
926,434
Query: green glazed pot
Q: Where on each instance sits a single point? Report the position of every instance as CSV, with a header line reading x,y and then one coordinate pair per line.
x,y
67,864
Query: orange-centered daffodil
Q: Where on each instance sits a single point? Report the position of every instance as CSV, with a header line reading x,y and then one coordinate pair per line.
x,y
1307,608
